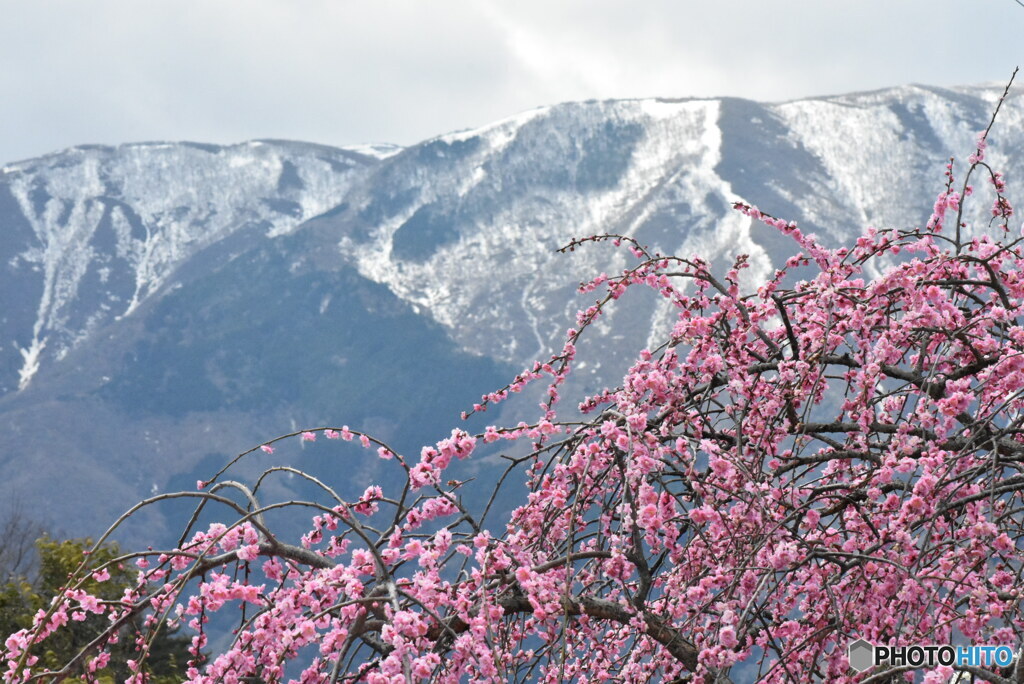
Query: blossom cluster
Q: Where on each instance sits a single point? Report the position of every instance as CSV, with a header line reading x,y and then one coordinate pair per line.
x,y
800,463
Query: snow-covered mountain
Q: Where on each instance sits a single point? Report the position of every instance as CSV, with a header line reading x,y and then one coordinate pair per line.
x,y
92,232
163,305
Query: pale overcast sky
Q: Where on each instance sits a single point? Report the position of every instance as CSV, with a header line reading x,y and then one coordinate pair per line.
x,y
345,71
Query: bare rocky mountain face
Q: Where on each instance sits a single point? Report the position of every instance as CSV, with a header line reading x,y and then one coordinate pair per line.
x,y
164,306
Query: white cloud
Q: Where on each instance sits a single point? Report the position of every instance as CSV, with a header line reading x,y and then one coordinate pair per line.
x,y
342,71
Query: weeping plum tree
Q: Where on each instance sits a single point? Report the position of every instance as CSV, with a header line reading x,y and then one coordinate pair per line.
x,y
793,468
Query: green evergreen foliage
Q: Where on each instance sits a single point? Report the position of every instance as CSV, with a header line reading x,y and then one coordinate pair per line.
x,y
21,598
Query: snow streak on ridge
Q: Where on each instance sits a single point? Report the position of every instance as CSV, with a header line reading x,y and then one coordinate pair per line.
x,y
137,212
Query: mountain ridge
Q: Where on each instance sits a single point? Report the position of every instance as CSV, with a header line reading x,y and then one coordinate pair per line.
x,y
170,303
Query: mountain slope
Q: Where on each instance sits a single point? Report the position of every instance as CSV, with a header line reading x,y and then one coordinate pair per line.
x,y
164,306
97,230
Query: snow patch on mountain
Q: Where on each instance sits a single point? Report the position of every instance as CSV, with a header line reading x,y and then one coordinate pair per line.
x,y
512,247
876,146
497,133
31,365
137,212
375,150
